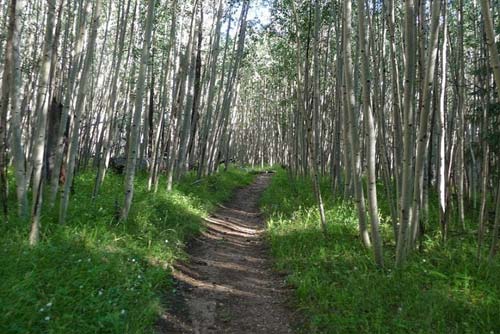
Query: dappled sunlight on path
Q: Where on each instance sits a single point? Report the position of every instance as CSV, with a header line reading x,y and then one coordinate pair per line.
x,y
228,285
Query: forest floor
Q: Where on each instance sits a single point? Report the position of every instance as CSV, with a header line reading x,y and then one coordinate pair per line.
x,y
228,284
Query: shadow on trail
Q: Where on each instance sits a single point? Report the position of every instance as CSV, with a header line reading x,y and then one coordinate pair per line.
x,y
228,285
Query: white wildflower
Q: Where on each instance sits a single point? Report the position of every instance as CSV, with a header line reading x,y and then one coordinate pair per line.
x,y
47,318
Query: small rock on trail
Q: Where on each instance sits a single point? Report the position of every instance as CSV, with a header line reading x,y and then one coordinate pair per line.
x,y
228,285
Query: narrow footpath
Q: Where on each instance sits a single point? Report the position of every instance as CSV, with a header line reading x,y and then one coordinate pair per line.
x,y
228,284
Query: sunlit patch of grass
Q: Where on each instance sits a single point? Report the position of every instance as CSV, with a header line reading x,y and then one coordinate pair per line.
x,y
443,289
96,274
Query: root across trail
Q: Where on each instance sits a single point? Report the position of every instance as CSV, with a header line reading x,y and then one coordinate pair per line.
x,y
228,284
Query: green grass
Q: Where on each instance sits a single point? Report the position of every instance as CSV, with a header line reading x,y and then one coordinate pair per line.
x,y
95,275
443,289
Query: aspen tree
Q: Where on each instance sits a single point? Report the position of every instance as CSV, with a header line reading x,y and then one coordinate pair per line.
x,y
197,92
159,147
11,91
372,141
134,131
424,118
355,154
494,59
315,119
408,134
223,137
4,106
178,96
42,108
80,101
15,104
442,130
75,65
207,123
189,70
461,105
112,103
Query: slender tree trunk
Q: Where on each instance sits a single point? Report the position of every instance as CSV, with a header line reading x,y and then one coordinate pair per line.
x,y
495,65
442,131
316,120
15,95
42,107
12,60
190,68
223,138
134,132
195,113
159,145
490,42
396,100
423,133
108,127
4,107
408,134
61,135
485,173
80,101
211,91
460,166
370,133
353,137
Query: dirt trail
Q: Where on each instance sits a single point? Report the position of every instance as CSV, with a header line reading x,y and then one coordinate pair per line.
x,y
228,286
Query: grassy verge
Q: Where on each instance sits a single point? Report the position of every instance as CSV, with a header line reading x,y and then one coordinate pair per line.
x,y
442,290
95,275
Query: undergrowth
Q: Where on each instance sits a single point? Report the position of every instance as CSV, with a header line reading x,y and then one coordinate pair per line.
x,y
443,288
96,275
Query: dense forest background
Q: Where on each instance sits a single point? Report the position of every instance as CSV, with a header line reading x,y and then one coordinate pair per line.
x,y
393,107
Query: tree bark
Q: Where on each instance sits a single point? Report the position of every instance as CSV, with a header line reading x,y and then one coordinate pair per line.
x,y
423,133
80,101
42,107
408,134
355,153
370,133
134,132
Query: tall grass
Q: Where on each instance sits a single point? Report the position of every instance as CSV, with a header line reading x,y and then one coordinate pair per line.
x,y
95,274
443,289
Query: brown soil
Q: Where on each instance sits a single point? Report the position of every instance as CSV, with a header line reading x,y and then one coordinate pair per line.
x,y
228,285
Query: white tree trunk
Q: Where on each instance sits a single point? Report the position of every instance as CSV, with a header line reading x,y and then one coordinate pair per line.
x,y
408,133
43,105
370,133
80,101
424,119
355,152
134,132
